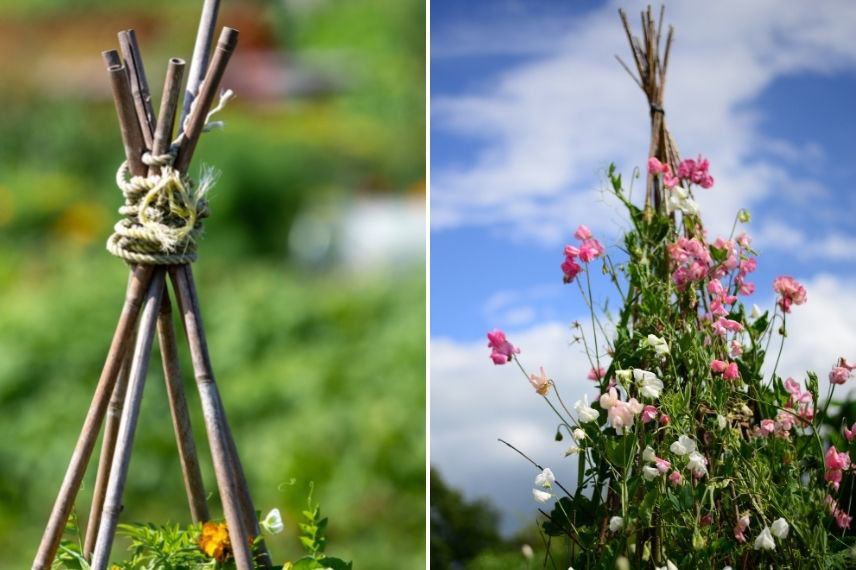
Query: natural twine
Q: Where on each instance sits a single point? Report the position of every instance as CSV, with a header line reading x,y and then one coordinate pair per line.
x,y
163,213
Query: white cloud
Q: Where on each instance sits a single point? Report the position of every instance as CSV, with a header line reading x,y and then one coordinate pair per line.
x,y
776,236
474,402
546,126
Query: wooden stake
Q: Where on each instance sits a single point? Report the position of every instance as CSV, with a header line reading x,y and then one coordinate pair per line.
x,y
215,422
180,416
108,445
201,52
128,423
225,47
86,442
132,136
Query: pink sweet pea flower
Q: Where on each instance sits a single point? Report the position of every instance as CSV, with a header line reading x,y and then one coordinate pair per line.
x,y
839,375
842,519
736,348
740,528
731,372
649,413
596,373
590,250
570,269
501,350
767,427
582,233
836,460
844,363
718,366
657,167
664,420
792,293
849,433
662,465
675,478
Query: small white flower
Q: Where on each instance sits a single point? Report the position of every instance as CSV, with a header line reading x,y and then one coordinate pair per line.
x,y
721,421
728,568
579,434
586,412
683,446
527,552
622,563
756,312
648,454
660,346
697,463
650,473
669,566
649,385
623,375
780,528
765,540
541,496
616,523
545,478
572,451
272,522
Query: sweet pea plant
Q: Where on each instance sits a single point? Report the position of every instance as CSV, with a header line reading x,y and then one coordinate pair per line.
x,y
692,453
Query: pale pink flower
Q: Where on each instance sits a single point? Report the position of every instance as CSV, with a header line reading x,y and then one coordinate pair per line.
x,y
582,233
839,375
844,363
736,348
540,382
501,350
842,519
767,427
743,240
675,478
596,373
662,465
746,289
609,398
740,528
791,292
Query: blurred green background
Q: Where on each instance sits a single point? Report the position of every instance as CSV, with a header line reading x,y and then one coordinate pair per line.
x,y
311,270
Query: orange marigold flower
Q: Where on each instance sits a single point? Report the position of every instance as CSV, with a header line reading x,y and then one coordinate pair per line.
x,y
214,540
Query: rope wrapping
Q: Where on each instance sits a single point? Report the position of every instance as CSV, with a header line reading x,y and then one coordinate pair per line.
x,y
163,213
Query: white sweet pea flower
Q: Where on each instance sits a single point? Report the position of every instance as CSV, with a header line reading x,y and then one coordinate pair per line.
x,y
721,422
648,454
780,528
683,446
572,451
272,522
541,496
765,540
527,552
680,200
756,312
586,412
579,434
660,346
649,385
697,463
545,478
728,568
669,566
616,523
650,473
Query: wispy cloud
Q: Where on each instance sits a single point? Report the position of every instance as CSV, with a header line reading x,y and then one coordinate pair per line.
x,y
544,127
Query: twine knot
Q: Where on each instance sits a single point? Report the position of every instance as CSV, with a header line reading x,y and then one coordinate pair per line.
x,y
162,214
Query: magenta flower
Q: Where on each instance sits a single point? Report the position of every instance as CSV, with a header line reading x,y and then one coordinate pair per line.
x,y
718,366
731,372
696,171
590,249
792,293
649,413
657,167
835,459
849,433
571,269
501,350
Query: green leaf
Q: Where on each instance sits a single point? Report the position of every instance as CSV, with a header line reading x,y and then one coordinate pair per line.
x,y
336,564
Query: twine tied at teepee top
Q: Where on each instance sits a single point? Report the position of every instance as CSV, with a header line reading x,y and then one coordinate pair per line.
x,y
163,212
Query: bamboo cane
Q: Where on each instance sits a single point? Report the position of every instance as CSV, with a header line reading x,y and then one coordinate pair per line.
x,y
86,441
193,484
108,446
196,121
201,52
139,84
128,424
168,107
215,422
132,136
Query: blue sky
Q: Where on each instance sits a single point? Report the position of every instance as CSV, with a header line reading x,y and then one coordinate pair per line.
x,y
529,106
